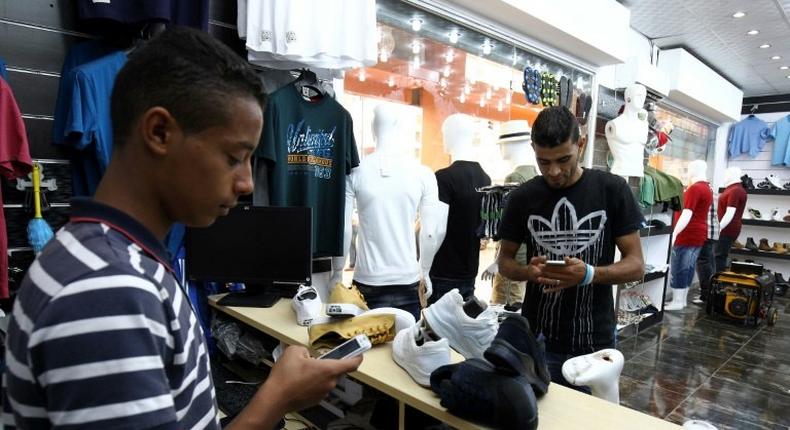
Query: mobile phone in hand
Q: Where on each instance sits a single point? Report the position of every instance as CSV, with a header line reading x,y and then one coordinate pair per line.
x,y
555,262
350,348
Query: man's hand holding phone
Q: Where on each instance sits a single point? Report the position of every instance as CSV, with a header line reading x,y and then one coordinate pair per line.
x,y
556,275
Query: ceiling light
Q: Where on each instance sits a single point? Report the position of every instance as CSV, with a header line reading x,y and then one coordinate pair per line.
x,y
415,47
416,62
765,46
776,57
446,71
739,14
752,32
454,36
487,47
483,101
391,82
416,24
443,83
449,56
362,75
784,68
462,98
383,56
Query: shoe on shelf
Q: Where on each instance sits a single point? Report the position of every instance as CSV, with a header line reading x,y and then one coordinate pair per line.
x,y
786,218
750,244
779,279
775,181
786,185
345,301
419,355
776,215
737,245
779,248
517,351
747,183
754,213
764,246
469,336
306,304
765,185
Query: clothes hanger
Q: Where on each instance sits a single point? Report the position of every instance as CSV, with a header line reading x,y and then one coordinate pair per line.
x,y
753,110
308,79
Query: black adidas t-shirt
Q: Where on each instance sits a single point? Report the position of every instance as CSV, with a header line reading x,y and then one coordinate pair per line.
x,y
459,255
580,221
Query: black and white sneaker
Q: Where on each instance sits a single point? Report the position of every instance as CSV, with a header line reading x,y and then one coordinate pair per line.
x,y
775,181
765,185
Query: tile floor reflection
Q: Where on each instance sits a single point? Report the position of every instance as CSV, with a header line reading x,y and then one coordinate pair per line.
x,y
694,366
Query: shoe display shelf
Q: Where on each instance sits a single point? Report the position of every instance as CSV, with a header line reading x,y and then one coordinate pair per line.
x,y
745,251
757,192
656,247
765,223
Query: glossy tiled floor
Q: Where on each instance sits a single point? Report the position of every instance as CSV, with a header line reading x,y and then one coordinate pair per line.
x,y
694,366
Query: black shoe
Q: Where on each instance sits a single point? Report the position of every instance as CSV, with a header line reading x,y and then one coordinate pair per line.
x,y
746,181
779,279
750,244
780,290
475,390
516,351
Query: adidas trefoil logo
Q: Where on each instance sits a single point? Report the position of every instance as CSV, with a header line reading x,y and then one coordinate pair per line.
x,y
566,235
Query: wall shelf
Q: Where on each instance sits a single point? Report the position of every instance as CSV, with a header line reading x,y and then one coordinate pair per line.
x,y
744,251
777,224
757,192
657,231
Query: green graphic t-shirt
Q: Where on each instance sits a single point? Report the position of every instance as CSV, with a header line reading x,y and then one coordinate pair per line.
x,y
310,149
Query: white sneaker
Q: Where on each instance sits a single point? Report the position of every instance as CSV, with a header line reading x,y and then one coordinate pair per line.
x,y
470,337
776,215
419,356
403,319
306,304
775,181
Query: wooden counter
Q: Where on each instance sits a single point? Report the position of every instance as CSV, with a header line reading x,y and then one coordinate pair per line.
x,y
561,408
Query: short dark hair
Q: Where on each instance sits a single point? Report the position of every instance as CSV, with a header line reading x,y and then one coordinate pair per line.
x,y
554,126
187,72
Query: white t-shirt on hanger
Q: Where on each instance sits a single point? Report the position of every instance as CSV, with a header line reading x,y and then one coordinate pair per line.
x,y
387,208
313,33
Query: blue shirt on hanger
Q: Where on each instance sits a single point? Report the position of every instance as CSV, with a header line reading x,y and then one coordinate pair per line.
x,y
748,136
781,133
88,124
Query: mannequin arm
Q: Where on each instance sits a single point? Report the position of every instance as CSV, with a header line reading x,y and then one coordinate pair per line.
x,y
683,222
338,263
729,214
433,228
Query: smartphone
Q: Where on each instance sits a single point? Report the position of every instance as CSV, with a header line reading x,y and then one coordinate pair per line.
x,y
555,262
350,348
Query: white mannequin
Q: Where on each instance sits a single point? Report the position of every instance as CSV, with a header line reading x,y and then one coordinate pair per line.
x,y
458,131
697,172
390,183
600,371
627,134
731,176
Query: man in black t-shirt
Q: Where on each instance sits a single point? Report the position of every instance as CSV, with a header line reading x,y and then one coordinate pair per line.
x,y
578,216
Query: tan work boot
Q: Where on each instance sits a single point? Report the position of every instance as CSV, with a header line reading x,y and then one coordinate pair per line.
x,y
764,246
345,301
779,248
380,328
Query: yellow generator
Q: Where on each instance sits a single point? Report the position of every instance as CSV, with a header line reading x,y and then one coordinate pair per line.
x,y
745,297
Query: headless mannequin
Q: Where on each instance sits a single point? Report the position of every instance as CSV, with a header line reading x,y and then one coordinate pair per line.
x,y
600,371
731,176
697,173
627,134
394,159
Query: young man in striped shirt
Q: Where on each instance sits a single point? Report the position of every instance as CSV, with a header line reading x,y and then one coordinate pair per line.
x,y
102,335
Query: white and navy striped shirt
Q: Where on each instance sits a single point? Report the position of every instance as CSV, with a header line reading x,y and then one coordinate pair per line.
x,y
103,336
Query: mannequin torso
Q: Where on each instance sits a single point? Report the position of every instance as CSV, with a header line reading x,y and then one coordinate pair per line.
x,y
627,134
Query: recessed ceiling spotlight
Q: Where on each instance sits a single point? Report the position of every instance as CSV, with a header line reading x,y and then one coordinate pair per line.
x,y
416,24
753,32
487,47
415,47
391,82
776,57
453,36
784,68
739,14
765,46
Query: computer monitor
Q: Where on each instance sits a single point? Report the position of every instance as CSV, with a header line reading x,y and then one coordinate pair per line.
x,y
269,249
